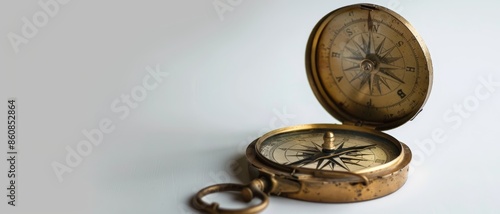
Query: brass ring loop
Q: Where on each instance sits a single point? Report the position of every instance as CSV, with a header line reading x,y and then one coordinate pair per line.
x,y
248,192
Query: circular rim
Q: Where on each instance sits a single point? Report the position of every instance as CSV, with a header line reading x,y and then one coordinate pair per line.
x,y
372,171
325,98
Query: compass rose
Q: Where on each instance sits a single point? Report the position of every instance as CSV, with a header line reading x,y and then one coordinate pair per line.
x,y
330,155
372,61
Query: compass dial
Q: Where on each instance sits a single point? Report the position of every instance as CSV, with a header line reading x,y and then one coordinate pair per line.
x,y
349,150
367,63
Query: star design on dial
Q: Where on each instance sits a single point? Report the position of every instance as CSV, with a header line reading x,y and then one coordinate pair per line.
x,y
339,156
372,62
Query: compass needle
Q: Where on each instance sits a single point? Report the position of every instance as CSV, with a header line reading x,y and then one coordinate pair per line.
x,y
369,22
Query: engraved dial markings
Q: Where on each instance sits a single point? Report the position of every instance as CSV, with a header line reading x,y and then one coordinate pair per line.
x,y
344,152
372,60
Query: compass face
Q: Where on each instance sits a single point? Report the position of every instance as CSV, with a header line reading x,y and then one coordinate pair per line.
x,y
366,63
354,151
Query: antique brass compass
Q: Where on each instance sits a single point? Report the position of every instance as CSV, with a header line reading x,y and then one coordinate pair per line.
x,y
370,70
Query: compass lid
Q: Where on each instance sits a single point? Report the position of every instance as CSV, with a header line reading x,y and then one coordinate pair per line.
x,y
368,66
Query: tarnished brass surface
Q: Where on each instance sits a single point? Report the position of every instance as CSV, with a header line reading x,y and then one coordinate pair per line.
x,y
369,69
332,186
367,65
248,192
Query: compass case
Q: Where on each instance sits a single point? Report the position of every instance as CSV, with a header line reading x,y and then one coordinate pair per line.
x,y
369,69
332,189
329,186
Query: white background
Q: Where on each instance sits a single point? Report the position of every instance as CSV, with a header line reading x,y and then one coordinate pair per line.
x,y
232,76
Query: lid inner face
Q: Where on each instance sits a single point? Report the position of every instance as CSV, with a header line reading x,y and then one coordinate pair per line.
x,y
369,67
